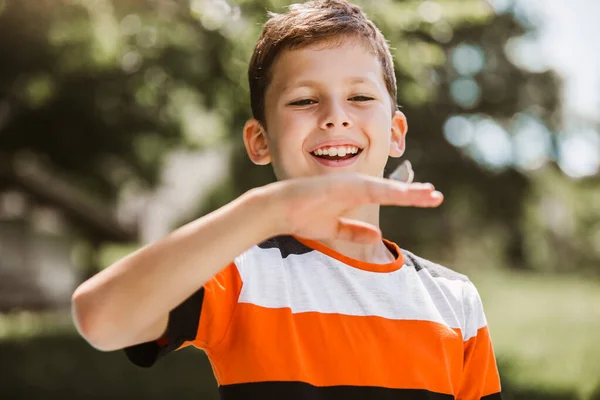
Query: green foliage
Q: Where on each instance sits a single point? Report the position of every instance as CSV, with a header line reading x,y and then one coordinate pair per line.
x,y
102,93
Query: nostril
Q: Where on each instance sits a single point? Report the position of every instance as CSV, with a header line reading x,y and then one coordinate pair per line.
x,y
344,124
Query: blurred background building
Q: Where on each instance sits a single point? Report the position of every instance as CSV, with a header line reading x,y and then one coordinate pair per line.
x,y
121,120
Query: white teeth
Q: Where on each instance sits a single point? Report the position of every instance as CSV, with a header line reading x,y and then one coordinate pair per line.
x,y
336,151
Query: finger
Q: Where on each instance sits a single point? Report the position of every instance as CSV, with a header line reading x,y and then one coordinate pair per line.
x,y
357,231
413,197
387,192
423,195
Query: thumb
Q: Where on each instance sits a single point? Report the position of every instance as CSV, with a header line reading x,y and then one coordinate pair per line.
x,y
357,231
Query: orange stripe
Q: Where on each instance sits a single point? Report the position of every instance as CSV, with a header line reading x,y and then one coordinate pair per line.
x,y
221,294
332,349
481,376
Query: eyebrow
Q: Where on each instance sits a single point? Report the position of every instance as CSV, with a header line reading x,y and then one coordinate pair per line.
x,y
312,84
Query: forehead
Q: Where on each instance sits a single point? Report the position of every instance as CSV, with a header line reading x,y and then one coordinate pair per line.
x,y
349,62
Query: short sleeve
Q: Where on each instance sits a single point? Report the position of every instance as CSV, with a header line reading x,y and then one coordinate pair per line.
x,y
201,320
481,379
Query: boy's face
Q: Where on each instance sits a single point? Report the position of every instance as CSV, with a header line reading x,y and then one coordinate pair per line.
x,y
327,111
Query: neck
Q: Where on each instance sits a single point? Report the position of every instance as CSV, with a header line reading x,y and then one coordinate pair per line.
x,y
376,253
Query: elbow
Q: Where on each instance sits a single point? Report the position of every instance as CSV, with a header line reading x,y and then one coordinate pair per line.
x,y
87,320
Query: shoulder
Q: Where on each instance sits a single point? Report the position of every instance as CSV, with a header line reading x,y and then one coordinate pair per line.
x,y
441,279
433,269
450,288
444,278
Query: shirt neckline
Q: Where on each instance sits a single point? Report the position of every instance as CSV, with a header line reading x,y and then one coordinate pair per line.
x,y
362,265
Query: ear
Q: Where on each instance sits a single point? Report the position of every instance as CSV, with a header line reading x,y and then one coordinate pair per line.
x,y
399,129
255,140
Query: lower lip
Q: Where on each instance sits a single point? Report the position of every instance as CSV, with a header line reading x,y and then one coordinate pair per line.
x,y
334,163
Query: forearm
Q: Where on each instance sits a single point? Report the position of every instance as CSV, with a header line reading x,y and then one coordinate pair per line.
x,y
111,308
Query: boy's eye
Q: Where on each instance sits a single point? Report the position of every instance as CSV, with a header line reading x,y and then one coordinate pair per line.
x,y
303,102
361,98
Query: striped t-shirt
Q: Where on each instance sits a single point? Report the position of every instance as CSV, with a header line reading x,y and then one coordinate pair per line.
x,y
293,319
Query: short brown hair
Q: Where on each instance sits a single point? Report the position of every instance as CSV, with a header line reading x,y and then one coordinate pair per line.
x,y
313,22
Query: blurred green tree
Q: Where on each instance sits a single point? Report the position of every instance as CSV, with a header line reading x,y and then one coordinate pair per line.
x,y
97,92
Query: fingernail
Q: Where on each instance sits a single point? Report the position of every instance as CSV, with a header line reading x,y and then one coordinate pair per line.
x,y
436,195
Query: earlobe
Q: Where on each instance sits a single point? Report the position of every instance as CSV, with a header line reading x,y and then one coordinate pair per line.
x,y
398,139
255,140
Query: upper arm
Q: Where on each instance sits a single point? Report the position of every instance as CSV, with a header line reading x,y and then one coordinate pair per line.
x,y
201,320
154,332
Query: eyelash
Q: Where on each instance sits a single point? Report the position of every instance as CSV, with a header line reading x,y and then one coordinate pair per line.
x,y
303,102
364,98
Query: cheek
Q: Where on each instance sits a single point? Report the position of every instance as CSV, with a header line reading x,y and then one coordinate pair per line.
x,y
379,125
292,130
297,119
286,141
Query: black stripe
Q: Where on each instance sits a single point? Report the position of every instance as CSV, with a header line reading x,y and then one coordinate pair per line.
x,y
495,396
435,270
144,354
305,391
286,244
183,326
184,319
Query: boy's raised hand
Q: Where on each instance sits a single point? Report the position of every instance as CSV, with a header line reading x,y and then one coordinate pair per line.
x,y
313,207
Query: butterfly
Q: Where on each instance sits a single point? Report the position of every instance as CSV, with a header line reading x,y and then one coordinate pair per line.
x,y
403,172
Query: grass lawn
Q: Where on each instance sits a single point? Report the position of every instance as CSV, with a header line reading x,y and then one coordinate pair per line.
x,y
546,328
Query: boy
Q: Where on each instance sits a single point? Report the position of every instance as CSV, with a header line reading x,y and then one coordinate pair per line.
x,y
290,289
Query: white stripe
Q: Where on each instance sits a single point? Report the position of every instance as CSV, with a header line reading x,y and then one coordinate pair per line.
x,y
314,282
458,298
474,309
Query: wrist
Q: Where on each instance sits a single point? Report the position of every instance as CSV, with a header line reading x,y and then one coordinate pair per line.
x,y
265,204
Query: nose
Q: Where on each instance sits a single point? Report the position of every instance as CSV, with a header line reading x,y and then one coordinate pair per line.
x,y
335,116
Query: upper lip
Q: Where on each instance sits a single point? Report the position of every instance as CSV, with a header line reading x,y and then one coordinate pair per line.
x,y
335,143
